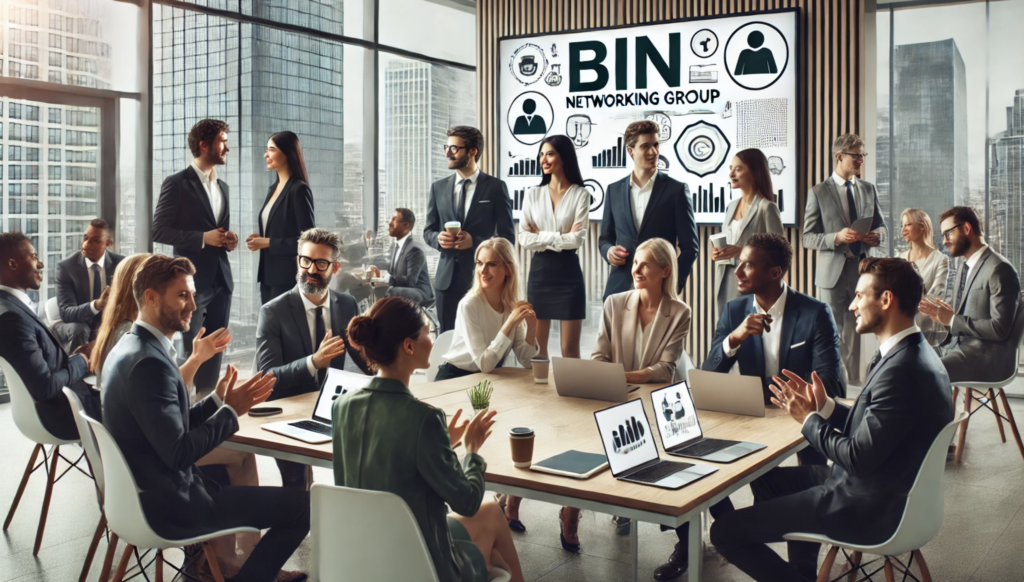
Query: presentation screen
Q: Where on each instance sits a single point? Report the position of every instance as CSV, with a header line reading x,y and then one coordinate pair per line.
x,y
714,87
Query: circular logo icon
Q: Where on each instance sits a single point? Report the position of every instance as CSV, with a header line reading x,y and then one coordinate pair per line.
x,y
756,55
702,148
596,194
528,64
530,117
704,43
664,125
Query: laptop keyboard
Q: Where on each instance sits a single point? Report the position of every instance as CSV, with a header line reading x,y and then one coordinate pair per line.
x,y
656,473
312,426
707,446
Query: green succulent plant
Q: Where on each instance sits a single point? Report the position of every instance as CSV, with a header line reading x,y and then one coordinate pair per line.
x,y
480,395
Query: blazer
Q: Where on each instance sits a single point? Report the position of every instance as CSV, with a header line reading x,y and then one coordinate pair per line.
x,y
43,365
283,341
668,216
663,341
183,215
977,344
74,291
291,214
824,217
410,268
489,214
809,343
877,445
761,216
408,452
161,435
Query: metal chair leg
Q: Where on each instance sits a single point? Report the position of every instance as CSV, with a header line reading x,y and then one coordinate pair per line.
x,y
51,478
21,487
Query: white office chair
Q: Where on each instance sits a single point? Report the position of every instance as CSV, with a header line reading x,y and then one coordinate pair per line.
x,y
23,408
381,522
126,518
441,345
52,312
994,390
921,520
683,367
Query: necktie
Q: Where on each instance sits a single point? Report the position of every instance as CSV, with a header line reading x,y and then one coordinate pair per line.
x,y
852,203
318,334
97,283
874,361
460,210
960,290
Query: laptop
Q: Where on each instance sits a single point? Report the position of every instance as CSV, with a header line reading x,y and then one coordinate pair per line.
x,y
317,430
730,393
632,454
680,430
591,379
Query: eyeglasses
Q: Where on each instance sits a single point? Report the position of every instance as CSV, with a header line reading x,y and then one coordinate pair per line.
x,y
321,264
855,156
945,233
452,149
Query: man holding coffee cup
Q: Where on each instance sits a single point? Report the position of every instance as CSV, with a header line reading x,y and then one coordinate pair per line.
x,y
463,210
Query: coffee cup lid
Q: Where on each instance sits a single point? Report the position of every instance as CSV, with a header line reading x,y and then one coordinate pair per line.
x,y
521,431
539,360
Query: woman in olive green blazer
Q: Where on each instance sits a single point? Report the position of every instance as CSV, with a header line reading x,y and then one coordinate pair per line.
x,y
387,440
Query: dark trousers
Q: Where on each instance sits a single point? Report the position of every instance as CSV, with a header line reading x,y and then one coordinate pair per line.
x,y
784,502
213,309
293,475
447,371
448,305
58,418
74,335
415,295
268,292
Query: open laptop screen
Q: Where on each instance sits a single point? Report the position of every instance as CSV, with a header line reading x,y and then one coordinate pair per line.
x,y
626,436
337,383
676,416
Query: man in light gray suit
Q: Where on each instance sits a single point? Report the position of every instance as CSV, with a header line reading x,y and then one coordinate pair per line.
x,y
985,302
832,208
303,332
406,264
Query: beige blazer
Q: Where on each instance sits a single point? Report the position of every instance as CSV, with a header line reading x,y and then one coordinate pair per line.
x,y
762,216
663,342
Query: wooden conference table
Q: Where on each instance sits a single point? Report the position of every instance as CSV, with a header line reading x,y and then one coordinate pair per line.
x,y
561,424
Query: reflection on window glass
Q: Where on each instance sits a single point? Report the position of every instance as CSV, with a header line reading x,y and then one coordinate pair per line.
x,y
450,35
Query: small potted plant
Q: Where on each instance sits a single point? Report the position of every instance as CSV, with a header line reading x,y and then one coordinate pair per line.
x,y
480,395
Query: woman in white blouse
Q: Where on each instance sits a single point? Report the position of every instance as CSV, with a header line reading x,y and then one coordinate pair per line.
x,y
931,264
491,320
554,224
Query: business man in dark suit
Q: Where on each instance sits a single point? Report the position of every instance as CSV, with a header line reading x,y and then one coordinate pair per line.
x,y
876,446
82,279
480,202
31,348
986,302
303,332
147,411
644,205
193,216
406,265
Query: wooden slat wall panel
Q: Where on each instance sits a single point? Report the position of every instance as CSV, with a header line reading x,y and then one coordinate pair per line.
x,y
829,54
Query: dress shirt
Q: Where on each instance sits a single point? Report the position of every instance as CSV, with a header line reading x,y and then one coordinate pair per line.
x,y
212,190
20,295
399,244
555,224
973,261
310,308
841,186
470,190
638,339
639,196
770,340
103,278
479,344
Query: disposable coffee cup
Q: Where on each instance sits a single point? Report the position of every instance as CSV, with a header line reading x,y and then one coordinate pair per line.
x,y
454,227
540,370
521,439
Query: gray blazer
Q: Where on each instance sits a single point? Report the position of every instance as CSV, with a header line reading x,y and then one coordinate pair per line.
x,y
824,217
410,268
978,345
762,216
73,289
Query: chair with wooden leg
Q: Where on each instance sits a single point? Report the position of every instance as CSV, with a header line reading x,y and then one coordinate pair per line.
x,y
23,409
920,523
989,394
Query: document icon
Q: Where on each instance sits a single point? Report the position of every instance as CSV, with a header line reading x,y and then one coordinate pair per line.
x,y
703,74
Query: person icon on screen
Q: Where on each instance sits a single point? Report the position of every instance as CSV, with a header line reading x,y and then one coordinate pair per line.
x,y
529,123
756,62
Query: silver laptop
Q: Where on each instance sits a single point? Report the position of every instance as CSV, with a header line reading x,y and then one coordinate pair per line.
x,y
317,430
632,454
680,430
591,379
730,393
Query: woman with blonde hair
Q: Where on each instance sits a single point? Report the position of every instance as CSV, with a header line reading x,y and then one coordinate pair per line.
x,y
491,320
931,264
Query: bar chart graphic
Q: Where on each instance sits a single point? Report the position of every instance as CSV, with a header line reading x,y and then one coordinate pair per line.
x,y
614,157
706,200
528,167
629,437
517,199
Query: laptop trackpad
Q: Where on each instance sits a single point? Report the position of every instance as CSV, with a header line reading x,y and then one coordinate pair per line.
x,y
685,477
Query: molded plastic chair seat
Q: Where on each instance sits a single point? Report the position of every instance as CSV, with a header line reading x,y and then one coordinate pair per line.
x,y
92,455
52,312
441,345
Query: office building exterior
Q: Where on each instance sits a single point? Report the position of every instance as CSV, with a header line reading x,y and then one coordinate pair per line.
x,y
1006,179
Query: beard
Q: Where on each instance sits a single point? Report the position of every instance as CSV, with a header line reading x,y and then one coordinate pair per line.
x,y
173,319
867,323
313,284
959,247
458,163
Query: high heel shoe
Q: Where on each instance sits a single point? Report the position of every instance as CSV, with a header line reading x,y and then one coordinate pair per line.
x,y
513,524
574,548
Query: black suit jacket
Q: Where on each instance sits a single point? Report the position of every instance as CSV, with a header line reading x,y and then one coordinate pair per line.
x,y
809,343
878,445
183,215
489,214
668,216
146,409
73,290
409,268
45,368
283,341
291,214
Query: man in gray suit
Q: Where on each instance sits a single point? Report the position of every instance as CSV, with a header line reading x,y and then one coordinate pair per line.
x,y
406,264
82,283
303,332
985,303
832,208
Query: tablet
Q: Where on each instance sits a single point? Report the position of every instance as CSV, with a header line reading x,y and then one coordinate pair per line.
x,y
575,464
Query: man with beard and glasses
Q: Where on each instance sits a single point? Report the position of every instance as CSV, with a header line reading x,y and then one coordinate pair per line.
x,y
147,411
31,348
480,203
305,331
192,216
986,299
